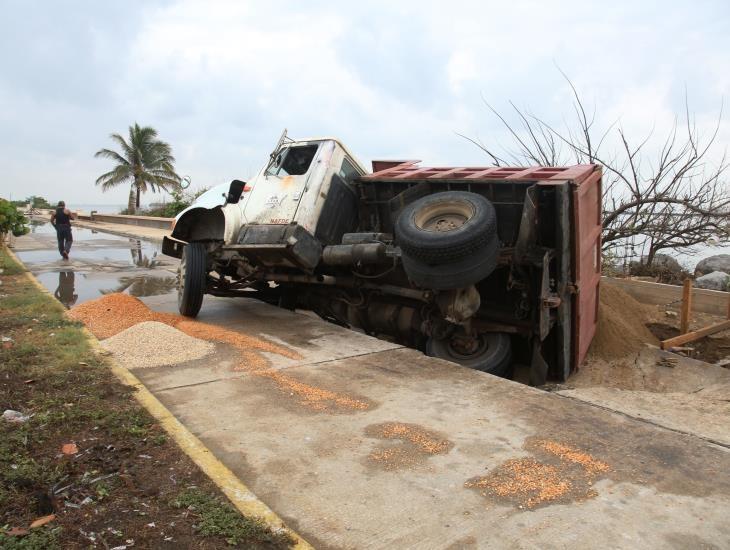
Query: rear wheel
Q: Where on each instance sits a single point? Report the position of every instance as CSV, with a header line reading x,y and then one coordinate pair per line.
x,y
488,352
192,275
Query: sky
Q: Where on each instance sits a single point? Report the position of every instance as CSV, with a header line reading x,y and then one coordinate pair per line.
x,y
220,80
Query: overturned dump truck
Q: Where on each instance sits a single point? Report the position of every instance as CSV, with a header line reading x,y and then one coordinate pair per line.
x,y
486,267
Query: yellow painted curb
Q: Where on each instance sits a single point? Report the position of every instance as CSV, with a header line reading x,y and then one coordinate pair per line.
x,y
236,491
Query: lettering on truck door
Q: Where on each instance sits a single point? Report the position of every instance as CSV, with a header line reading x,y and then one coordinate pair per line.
x,y
274,200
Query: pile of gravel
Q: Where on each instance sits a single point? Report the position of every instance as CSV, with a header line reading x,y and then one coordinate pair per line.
x,y
154,344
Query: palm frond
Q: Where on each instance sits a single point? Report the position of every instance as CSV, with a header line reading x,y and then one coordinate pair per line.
x,y
120,174
113,155
127,150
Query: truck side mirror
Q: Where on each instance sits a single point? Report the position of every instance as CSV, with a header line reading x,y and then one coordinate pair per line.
x,y
235,191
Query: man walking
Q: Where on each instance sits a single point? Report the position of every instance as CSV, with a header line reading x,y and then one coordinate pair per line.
x,y
61,220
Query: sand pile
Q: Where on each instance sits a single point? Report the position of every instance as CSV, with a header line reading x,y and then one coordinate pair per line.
x,y
132,346
621,328
113,313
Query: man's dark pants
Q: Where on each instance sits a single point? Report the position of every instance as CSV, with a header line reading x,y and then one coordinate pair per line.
x,y
65,238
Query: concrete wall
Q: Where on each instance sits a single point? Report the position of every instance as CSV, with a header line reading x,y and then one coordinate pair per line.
x,y
705,301
144,221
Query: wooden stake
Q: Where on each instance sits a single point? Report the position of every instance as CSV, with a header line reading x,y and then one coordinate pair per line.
x,y
695,335
686,307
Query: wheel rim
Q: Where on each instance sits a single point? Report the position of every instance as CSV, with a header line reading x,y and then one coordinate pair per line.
x,y
443,216
458,352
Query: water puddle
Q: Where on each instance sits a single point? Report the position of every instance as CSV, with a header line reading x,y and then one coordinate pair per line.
x,y
71,288
89,246
100,263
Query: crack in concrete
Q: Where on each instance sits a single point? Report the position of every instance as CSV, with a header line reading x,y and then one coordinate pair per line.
x,y
724,446
281,369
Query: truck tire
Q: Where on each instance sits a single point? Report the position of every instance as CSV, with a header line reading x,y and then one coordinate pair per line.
x,y
493,355
193,273
457,274
445,227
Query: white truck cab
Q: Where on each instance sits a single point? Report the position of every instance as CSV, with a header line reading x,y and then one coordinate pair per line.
x,y
292,188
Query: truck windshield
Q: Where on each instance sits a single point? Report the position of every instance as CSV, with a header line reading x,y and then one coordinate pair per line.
x,y
295,161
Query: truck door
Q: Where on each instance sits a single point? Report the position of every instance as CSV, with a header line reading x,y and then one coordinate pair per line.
x,y
275,197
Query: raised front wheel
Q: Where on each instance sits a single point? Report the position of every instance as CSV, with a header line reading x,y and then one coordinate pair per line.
x,y
192,275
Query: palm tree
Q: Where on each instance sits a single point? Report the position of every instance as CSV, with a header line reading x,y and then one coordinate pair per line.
x,y
145,162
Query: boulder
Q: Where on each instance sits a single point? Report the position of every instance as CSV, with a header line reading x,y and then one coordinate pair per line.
x,y
717,280
662,262
665,261
664,269
720,262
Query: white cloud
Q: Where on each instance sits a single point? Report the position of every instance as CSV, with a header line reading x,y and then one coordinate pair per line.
x,y
461,68
220,80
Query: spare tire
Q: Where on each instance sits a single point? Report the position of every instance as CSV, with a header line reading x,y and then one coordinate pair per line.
x,y
456,274
445,227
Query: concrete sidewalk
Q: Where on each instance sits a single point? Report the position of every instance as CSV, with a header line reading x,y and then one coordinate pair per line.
x,y
426,454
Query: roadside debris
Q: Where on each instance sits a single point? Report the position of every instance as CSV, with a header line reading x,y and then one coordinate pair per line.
x,y
40,522
15,416
668,362
69,449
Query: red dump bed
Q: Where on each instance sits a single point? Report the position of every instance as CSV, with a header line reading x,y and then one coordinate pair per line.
x,y
584,220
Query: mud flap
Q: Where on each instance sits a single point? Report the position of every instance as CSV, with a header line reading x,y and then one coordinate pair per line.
x,y
172,247
538,366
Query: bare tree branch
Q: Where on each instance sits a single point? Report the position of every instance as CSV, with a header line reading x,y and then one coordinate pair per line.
x,y
669,199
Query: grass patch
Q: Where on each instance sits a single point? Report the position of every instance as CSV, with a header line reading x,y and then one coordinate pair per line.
x,y
216,518
9,266
37,539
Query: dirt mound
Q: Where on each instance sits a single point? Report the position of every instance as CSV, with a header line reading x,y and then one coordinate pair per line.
x,y
621,330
